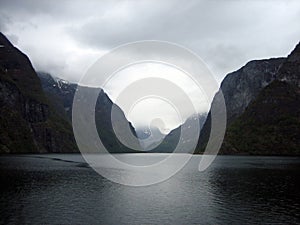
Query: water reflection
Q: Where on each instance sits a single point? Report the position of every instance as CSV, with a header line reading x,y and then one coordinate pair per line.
x,y
256,191
39,190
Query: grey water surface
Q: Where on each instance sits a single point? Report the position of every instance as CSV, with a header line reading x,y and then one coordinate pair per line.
x,y
63,189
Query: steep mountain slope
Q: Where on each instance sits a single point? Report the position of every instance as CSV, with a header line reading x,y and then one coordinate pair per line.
x,y
61,93
290,69
271,123
28,122
251,94
241,87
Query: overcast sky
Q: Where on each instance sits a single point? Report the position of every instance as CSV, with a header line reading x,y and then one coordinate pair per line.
x,y
65,37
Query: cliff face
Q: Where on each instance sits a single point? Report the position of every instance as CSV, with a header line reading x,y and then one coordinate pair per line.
x,y
290,69
61,93
271,123
28,123
259,96
241,87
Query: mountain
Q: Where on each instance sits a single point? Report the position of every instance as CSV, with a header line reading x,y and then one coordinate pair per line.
x,y
270,125
166,143
28,122
241,87
149,137
61,93
262,102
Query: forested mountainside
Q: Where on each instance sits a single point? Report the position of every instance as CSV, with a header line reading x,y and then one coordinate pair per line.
x,y
262,100
61,93
28,121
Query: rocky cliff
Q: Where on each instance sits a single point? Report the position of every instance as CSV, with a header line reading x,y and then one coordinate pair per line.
x,y
270,125
251,94
241,87
28,122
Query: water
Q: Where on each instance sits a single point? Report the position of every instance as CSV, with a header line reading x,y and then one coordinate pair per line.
x,y
62,189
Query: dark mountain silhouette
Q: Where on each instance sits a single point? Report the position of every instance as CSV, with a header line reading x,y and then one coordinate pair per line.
x,y
262,100
61,93
28,122
36,114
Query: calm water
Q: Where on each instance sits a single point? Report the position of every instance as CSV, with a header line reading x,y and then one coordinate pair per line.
x,y
62,189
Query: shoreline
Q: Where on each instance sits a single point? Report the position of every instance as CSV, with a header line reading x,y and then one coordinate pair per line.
x,y
145,153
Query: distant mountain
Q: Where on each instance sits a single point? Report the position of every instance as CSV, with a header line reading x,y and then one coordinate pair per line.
x,y
262,100
61,93
149,137
167,143
28,123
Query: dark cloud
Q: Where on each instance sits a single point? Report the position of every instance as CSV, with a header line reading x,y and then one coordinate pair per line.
x,y
225,34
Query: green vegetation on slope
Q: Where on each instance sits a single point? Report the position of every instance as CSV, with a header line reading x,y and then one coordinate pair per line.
x,y
28,122
270,125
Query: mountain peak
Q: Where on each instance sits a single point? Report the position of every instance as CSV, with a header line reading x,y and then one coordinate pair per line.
x,y
290,69
295,54
4,42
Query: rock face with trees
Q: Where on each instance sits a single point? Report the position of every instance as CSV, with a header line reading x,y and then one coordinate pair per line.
x,y
263,108
28,121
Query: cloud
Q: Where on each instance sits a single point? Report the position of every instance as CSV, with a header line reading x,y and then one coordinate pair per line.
x,y
216,30
152,107
66,37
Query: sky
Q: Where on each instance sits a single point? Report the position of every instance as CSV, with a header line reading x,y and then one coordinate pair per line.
x,y
66,37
